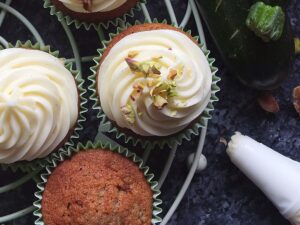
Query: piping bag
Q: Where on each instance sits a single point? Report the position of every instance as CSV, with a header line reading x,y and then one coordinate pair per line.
x,y
276,175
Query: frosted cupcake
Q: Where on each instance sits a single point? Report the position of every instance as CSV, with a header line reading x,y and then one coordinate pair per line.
x,y
94,11
39,104
154,80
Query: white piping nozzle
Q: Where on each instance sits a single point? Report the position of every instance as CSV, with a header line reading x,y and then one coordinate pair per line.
x,y
276,175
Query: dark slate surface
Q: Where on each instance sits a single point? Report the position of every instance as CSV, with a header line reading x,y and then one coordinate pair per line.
x,y
220,195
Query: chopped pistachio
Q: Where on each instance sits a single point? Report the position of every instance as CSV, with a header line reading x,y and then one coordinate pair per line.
x,y
172,93
134,96
155,76
172,74
145,68
132,54
155,69
150,82
159,102
128,113
154,89
139,86
137,91
164,89
133,64
157,58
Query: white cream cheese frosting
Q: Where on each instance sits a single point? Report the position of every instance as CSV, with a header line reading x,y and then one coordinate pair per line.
x,y
38,104
94,6
154,82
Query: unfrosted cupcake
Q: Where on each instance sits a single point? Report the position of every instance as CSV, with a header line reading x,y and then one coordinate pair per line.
x,y
94,11
39,104
98,185
154,80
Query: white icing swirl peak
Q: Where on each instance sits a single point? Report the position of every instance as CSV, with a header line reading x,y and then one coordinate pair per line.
x,y
38,104
164,99
95,5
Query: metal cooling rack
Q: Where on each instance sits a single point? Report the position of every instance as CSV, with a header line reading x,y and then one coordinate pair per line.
x,y
197,160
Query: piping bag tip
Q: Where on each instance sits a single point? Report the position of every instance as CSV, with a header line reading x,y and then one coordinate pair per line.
x,y
276,175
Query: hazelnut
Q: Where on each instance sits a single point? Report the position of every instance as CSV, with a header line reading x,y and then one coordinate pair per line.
x,y
296,97
268,103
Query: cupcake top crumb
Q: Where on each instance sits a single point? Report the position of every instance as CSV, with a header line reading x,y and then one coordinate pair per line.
x,y
97,187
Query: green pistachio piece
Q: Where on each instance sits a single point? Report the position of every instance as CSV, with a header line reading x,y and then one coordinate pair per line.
x,y
137,91
164,89
159,102
153,91
172,93
133,64
172,74
157,58
155,69
146,68
132,54
128,113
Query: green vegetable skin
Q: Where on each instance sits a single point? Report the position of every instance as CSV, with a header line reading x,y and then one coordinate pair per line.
x,y
257,63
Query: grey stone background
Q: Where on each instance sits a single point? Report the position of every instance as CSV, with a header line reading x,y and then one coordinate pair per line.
x,y
220,195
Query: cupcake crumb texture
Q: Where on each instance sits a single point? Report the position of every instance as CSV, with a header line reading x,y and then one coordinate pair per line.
x,y
97,188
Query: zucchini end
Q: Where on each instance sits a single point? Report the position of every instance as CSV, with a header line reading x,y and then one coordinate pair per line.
x,y
266,21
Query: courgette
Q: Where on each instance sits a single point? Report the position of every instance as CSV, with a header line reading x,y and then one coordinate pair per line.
x,y
257,61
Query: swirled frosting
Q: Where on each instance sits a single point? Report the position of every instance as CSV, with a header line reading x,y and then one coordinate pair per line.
x,y
87,6
154,82
38,104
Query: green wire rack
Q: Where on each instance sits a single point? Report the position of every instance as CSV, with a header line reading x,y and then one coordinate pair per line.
x,y
197,160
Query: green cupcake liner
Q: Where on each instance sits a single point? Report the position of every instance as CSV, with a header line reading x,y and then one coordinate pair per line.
x,y
37,164
102,145
78,24
171,141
